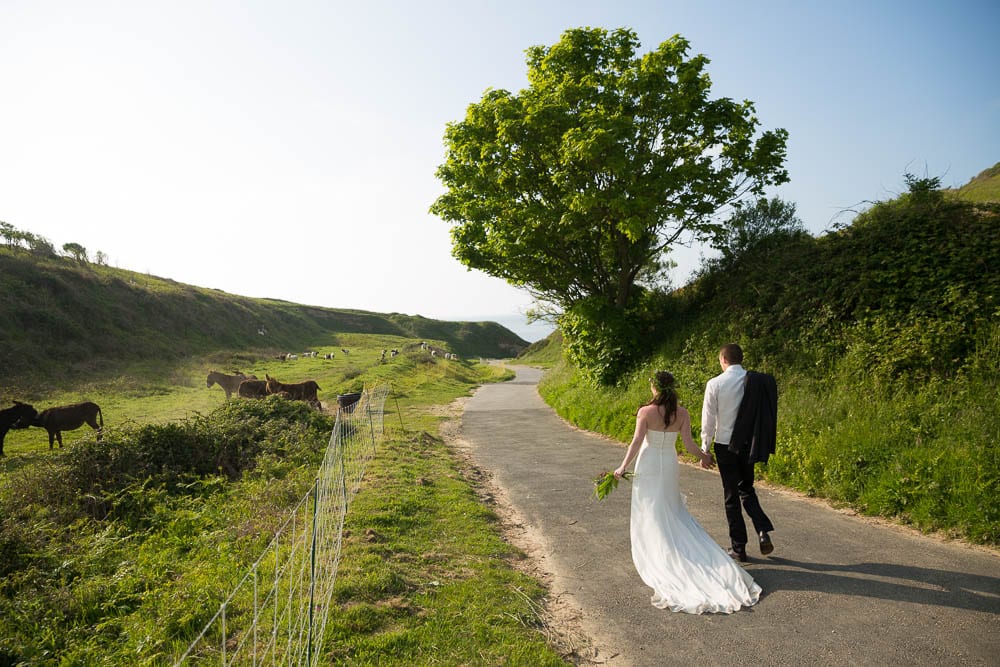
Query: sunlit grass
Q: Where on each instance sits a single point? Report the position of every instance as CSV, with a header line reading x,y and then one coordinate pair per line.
x,y
422,555
923,455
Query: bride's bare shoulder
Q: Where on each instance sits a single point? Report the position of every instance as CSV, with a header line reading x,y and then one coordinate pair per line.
x,y
646,410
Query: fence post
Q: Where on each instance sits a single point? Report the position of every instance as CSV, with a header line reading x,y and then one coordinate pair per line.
x,y
399,414
312,575
371,422
223,610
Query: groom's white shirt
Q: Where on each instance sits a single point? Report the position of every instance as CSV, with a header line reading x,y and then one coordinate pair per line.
x,y
723,395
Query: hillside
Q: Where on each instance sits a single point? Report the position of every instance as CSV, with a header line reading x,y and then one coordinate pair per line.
x,y
65,319
984,187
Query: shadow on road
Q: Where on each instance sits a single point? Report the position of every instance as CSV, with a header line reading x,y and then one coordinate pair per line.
x,y
885,581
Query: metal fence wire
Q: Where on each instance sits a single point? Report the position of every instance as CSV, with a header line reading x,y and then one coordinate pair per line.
x,y
276,614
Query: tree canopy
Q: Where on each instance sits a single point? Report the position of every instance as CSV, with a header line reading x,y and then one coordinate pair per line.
x,y
577,187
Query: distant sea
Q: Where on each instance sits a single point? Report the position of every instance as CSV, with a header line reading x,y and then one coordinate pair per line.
x,y
518,324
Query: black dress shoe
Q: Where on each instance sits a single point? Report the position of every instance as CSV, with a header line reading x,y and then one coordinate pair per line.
x,y
766,546
740,556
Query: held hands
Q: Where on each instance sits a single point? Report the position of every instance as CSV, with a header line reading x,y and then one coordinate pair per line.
x,y
706,460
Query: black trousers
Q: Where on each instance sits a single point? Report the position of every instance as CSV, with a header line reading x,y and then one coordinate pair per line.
x,y
737,485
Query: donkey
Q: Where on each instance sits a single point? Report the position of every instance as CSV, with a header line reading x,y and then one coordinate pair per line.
x,y
252,389
299,391
229,383
66,418
13,417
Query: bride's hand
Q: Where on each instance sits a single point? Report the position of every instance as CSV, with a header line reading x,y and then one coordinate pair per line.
x,y
619,471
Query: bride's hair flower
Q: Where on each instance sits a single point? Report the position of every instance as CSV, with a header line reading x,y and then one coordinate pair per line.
x,y
606,482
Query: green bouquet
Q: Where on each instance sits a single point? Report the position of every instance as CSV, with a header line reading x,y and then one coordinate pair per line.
x,y
606,482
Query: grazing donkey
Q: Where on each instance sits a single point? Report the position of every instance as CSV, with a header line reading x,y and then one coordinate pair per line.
x,y
66,418
13,417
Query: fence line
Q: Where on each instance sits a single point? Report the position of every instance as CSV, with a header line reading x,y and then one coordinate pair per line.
x,y
277,613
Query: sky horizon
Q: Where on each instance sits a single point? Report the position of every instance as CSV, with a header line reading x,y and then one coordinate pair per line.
x,y
288,150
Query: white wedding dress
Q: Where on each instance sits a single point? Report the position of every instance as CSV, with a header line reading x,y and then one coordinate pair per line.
x,y
686,568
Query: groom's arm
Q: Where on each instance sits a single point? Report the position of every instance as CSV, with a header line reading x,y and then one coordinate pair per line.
x,y
709,416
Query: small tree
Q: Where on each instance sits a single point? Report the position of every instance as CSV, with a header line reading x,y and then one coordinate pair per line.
x,y
76,251
577,187
100,258
9,233
39,245
749,226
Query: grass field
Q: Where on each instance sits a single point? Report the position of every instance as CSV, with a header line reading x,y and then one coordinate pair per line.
x,y
425,575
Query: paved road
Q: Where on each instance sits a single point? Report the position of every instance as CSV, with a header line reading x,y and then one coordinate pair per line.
x,y
838,590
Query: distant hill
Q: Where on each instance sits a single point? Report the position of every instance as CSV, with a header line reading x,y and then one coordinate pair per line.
x,y
63,318
985,187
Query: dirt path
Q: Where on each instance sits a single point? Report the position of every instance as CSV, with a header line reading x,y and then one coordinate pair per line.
x,y
838,589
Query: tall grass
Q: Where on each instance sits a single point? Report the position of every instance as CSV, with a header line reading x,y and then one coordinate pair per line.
x,y
921,454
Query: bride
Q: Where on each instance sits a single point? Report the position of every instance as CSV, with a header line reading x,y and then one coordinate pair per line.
x,y
674,555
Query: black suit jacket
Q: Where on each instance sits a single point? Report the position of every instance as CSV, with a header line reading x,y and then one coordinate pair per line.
x,y
755,429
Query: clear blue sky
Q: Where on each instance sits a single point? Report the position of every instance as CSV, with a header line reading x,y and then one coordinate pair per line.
x,y
288,149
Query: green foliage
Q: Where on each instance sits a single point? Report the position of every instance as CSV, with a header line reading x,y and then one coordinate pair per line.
x,y
577,186
76,251
766,222
884,338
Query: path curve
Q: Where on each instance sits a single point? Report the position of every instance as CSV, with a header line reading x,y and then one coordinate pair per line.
x,y
838,589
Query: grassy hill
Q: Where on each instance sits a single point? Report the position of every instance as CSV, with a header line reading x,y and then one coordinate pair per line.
x,y
64,320
985,187
884,338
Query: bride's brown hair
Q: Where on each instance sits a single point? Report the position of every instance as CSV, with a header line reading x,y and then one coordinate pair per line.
x,y
666,394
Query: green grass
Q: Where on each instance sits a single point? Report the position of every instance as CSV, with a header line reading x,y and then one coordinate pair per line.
x,y
426,578
985,187
67,323
922,455
423,556
544,353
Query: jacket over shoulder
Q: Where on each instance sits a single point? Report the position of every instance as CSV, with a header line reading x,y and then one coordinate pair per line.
x,y
755,429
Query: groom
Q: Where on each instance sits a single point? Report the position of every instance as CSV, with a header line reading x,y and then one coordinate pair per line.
x,y
723,397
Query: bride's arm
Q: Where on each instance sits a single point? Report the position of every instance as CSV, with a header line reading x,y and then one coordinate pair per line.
x,y
633,448
687,439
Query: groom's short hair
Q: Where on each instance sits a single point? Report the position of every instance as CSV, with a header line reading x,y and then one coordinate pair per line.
x,y
732,353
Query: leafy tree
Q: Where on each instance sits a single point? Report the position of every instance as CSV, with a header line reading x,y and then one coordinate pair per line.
x,y
9,233
926,191
576,187
750,226
100,258
77,251
39,245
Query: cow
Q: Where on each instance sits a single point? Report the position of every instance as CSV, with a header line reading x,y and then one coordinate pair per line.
x,y
252,389
66,418
299,391
13,417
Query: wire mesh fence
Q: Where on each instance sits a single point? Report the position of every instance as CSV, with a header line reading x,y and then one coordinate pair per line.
x,y
277,613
